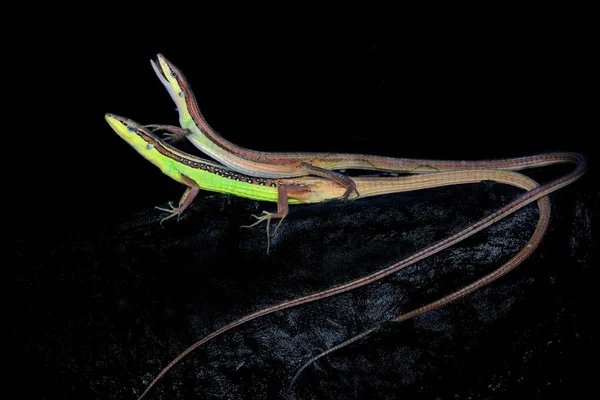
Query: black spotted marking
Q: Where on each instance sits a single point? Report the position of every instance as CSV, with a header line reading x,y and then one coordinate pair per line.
x,y
166,150
170,152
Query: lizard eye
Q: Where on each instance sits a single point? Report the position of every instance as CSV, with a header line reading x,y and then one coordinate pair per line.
x,y
129,128
149,146
174,74
181,94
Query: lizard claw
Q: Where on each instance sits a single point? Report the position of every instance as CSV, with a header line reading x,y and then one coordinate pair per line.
x,y
173,211
172,137
152,128
266,216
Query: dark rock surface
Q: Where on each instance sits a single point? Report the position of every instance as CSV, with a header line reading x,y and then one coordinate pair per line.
x,y
107,308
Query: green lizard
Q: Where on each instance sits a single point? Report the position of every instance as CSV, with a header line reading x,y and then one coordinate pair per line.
x,y
197,173
285,165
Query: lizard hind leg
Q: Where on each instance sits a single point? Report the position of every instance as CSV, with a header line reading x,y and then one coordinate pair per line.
x,y
282,212
340,179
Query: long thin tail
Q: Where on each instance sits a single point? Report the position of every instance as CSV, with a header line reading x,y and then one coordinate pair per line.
x,y
419,166
532,244
530,196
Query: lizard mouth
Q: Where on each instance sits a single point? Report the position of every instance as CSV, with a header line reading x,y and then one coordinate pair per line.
x,y
157,66
159,72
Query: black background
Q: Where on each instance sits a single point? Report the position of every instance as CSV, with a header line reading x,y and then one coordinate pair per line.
x,y
455,94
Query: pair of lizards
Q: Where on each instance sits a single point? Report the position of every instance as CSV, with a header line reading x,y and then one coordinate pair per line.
x,y
300,178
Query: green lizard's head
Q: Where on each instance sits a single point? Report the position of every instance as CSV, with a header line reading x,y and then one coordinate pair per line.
x,y
175,83
140,139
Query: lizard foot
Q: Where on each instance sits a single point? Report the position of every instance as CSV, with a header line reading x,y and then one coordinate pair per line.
x,y
351,188
267,216
172,134
173,211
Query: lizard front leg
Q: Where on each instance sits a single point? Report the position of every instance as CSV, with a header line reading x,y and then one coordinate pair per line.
x,y
187,198
174,134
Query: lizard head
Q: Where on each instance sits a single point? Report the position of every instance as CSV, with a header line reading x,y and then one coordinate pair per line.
x,y
175,83
143,141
